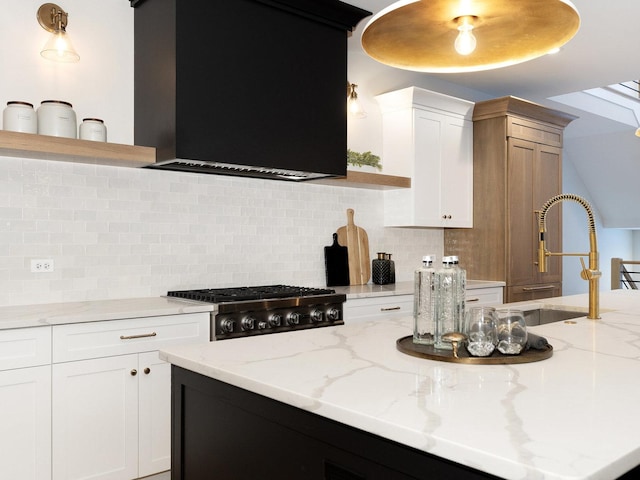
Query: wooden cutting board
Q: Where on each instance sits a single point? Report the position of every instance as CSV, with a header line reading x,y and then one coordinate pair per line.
x,y
336,263
357,243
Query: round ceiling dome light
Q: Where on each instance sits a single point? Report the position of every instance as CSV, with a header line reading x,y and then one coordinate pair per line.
x,y
436,35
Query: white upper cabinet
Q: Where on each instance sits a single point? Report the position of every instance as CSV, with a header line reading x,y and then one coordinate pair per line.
x,y
428,137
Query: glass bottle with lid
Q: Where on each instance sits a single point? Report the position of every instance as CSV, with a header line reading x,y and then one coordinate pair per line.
x,y
461,293
424,302
447,306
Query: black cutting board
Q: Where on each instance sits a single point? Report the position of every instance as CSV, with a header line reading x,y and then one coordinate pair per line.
x,y
336,261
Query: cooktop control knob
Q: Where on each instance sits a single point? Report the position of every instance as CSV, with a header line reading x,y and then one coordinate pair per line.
x,y
316,315
294,318
275,320
226,325
262,325
248,323
333,314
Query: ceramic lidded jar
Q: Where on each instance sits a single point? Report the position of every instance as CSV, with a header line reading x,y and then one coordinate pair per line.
x,y
20,117
93,129
57,118
381,269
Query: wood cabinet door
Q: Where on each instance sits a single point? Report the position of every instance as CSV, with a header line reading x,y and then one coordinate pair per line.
x,y
548,183
95,419
534,176
25,416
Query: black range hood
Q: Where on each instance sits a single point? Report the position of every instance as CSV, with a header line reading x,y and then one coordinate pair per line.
x,y
245,87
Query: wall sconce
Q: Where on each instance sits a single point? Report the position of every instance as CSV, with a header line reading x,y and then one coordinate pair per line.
x,y
58,48
353,105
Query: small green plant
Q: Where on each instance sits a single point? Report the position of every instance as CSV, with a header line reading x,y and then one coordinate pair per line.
x,y
361,159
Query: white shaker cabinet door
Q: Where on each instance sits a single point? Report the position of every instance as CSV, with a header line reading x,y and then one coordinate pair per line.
x,y
155,414
25,419
95,419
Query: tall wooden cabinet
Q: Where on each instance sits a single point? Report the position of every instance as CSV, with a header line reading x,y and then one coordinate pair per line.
x,y
517,157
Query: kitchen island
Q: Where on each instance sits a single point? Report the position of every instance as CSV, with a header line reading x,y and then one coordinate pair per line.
x,y
342,402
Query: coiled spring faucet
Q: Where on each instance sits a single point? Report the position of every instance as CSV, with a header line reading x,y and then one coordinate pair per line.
x,y
591,274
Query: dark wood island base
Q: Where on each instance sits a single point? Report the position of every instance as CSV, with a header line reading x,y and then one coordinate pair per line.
x,y
220,431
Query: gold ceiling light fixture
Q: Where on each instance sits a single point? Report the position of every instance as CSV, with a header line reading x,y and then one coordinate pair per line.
x,y
354,108
450,36
58,48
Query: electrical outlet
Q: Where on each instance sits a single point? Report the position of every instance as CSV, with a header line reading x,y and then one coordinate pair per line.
x,y
43,265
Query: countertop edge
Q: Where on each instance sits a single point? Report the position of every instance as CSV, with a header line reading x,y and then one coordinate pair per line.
x,y
26,316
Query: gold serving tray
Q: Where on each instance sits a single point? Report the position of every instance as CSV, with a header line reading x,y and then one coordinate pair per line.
x,y
406,345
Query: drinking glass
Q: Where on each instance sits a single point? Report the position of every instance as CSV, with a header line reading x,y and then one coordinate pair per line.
x,y
481,331
512,331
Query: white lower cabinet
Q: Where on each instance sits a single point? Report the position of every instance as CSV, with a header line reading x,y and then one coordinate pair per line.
x,y
95,419
154,395
373,308
25,416
112,414
25,403
389,306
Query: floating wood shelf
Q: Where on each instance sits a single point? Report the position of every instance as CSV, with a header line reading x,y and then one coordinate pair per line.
x,y
45,147
367,180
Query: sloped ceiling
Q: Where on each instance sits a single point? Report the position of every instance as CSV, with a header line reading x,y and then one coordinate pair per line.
x,y
605,151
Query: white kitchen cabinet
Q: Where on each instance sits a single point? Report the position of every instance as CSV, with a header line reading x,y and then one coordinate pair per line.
x,y
154,395
389,306
25,403
480,297
428,137
374,308
111,395
95,418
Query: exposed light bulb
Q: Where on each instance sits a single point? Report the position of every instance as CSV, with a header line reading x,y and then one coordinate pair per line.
x,y
638,132
465,41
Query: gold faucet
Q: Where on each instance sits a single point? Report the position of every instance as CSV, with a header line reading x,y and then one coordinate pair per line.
x,y
591,274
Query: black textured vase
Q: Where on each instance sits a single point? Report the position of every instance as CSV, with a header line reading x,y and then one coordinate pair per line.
x,y
392,268
381,270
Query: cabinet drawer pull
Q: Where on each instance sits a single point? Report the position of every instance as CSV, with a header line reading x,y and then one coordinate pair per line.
x,y
147,370
543,287
388,309
134,372
142,335
468,300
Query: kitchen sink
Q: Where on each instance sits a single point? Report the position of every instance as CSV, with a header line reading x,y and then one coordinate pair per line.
x,y
543,315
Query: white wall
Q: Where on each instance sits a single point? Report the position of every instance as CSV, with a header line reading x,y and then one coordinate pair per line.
x,y
118,232
100,85
611,242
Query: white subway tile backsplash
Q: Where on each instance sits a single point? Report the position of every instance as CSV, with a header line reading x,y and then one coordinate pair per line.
x,y
121,232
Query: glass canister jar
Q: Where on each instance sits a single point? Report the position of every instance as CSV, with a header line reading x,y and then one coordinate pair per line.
x,y
93,129
20,117
57,118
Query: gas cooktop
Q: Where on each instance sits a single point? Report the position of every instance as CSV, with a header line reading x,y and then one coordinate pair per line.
x,y
245,311
237,294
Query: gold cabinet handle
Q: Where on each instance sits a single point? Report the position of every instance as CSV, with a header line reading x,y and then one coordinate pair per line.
x,y
147,370
543,287
389,309
134,372
142,335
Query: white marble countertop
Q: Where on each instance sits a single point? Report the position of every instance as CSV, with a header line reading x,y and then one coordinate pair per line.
x,y
401,288
572,416
22,316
